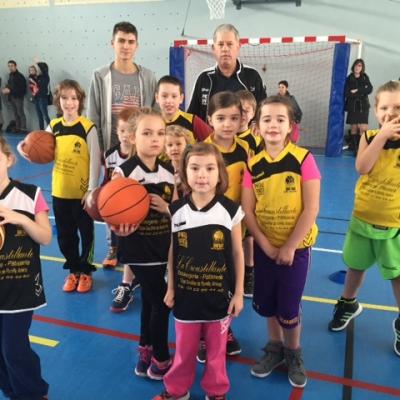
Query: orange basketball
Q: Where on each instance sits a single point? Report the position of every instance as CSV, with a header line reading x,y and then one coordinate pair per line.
x,y
91,204
123,201
39,146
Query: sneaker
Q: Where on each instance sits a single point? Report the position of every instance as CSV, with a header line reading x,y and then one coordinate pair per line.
x,y
111,260
134,285
249,284
143,363
343,313
201,353
71,283
220,397
166,396
85,283
396,330
232,345
123,297
272,358
157,369
296,372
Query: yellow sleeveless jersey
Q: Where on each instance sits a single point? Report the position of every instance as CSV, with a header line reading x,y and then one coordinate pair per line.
x,y
377,194
236,161
253,141
71,163
184,120
278,191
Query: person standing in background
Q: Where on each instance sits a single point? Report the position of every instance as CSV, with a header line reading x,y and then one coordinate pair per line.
x,y
118,85
357,89
16,90
228,75
42,96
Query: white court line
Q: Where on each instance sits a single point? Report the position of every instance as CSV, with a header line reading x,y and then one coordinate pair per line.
x,y
323,250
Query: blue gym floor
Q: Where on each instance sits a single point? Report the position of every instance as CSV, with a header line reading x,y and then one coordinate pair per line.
x,y
94,351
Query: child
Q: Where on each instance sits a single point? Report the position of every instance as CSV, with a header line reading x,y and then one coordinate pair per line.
x,y
249,106
21,287
114,157
205,273
169,96
283,91
145,247
76,170
280,199
33,82
225,117
373,234
177,138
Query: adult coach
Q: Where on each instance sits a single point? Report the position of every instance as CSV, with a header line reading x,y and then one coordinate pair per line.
x,y
123,83
228,74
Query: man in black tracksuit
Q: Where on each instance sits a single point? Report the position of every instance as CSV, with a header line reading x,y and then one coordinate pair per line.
x,y
229,73
16,90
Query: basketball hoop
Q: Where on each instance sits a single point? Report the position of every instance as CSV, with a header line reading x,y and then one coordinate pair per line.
x,y
217,8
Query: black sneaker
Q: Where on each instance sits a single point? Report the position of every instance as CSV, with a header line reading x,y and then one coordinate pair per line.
x,y
201,353
343,313
248,284
396,330
232,345
123,297
135,285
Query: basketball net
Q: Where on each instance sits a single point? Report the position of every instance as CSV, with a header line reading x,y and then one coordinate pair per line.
x,y
217,8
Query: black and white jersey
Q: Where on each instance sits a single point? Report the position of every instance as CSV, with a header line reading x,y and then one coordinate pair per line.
x,y
21,283
113,158
204,276
149,244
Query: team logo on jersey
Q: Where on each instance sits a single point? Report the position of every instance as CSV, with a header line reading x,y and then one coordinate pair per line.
x,y
77,148
167,192
218,238
398,162
20,232
183,239
290,184
259,188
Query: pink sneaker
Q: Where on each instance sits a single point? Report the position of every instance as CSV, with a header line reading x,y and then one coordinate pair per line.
x,y
158,369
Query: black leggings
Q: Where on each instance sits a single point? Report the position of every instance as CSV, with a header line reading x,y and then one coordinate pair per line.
x,y
155,314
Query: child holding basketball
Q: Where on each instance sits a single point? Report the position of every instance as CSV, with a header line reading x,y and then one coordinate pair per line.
x,y
280,198
76,171
21,285
205,273
374,232
145,247
113,158
169,96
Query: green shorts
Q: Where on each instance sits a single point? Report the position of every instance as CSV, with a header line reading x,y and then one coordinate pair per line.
x,y
361,251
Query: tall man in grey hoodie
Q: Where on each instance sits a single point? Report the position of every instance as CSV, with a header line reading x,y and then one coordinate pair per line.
x,y
113,87
119,84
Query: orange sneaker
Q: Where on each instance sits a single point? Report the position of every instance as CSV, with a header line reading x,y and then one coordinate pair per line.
x,y
71,283
85,283
111,260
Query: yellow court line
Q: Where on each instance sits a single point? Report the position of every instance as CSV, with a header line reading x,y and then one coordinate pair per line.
x,y
43,341
306,298
365,305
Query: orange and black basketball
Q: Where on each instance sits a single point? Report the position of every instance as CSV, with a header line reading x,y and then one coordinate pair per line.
x,y
39,146
123,201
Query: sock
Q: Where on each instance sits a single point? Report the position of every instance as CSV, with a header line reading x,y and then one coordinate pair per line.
x,y
352,300
248,270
